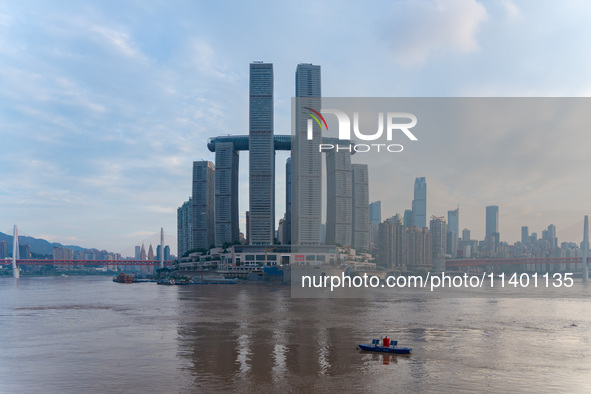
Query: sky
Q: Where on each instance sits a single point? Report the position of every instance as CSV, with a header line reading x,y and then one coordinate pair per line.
x,y
104,105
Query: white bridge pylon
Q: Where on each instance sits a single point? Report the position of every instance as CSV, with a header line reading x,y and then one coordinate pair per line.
x,y
15,256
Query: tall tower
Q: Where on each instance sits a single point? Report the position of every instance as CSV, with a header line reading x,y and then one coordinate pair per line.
x,y
360,206
453,231
203,204
419,204
306,170
262,155
585,246
227,225
375,218
375,212
492,220
184,229
524,235
287,224
437,229
339,198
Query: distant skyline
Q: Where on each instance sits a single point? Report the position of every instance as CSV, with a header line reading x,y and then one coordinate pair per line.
x,y
105,105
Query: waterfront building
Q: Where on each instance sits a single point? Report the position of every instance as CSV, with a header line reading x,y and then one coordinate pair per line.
x,y
287,224
227,224
262,155
203,204
339,198
306,159
184,221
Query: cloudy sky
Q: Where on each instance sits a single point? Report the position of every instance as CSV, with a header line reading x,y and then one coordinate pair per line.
x,y
105,104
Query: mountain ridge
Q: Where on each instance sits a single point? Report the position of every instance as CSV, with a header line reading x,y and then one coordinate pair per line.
x,y
37,245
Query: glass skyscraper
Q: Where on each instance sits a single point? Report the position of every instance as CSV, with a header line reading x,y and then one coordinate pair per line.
x,y
306,159
262,155
360,180
339,198
203,204
419,204
226,193
492,220
287,224
375,212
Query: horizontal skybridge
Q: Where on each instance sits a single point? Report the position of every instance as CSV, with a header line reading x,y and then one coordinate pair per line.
x,y
281,142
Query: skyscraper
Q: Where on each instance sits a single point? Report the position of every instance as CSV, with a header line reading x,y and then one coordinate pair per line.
x,y
3,249
339,205
375,212
492,220
552,239
287,223
438,232
419,204
306,170
184,228
409,218
375,218
392,244
524,235
360,206
226,194
203,204
465,234
453,231
262,155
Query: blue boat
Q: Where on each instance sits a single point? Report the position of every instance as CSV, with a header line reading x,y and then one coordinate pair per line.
x,y
387,347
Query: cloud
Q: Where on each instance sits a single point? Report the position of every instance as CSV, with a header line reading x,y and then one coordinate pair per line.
x,y
417,28
511,9
118,40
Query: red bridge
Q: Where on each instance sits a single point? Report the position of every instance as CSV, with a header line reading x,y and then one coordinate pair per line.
x,y
85,262
493,262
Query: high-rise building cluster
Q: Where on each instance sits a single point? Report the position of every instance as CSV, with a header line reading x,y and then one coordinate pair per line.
x,y
211,216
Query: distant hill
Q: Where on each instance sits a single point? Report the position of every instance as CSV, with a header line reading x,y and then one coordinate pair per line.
x,y
37,245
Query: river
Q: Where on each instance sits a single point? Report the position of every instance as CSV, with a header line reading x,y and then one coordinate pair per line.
x,y
88,334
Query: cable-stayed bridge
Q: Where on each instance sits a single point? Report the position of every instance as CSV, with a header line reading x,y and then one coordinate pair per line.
x,y
127,257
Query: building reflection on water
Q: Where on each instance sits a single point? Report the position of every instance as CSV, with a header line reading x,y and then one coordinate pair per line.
x,y
253,337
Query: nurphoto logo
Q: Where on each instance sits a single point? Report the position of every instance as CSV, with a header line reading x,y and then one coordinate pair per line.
x,y
392,121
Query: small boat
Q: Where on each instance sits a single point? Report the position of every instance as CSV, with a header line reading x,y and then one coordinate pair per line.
x,y
387,346
124,278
